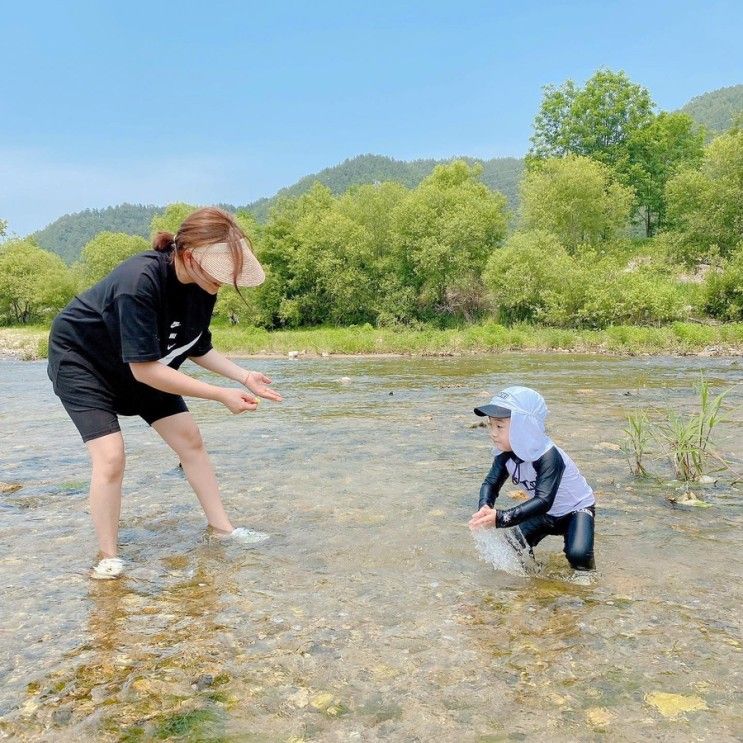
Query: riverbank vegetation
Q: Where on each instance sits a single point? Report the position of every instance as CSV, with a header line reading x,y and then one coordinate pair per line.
x,y
629,236
30,341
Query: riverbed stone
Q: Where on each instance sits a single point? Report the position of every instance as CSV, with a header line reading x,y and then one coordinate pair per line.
x,y
607,446
9,487
61,716
599,717
673,705
202,682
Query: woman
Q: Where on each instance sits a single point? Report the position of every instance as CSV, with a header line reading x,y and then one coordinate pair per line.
x,y
116,348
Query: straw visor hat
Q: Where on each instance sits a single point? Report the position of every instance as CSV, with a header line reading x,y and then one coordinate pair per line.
x,y
216,260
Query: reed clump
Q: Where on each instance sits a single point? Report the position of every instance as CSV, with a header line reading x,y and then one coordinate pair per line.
x,y
685,439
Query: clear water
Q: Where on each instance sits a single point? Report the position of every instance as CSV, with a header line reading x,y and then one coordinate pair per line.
x,y
370,615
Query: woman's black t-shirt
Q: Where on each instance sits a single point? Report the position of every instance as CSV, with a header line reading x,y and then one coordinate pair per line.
x,y
139,312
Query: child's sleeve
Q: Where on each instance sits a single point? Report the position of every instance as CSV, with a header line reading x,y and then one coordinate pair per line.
x,y
549,468
493,481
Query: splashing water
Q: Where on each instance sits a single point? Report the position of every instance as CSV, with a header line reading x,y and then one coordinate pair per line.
x,y
500,549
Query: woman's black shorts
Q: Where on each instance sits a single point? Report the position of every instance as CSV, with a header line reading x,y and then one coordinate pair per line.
x,y
94,406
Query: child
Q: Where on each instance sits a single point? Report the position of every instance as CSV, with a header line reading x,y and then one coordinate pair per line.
x,y
561,501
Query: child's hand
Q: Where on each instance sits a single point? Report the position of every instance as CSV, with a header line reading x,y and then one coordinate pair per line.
x,y
485,517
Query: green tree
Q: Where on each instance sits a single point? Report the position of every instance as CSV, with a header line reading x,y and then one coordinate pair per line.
x,y
386,298
34,284
106,251
529,276
655,153
444,232
704,205
345,283
292,294
595,121
575,198
172,216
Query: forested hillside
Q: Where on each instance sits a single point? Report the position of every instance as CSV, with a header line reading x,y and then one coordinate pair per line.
x,y
67,235
718,109
499,174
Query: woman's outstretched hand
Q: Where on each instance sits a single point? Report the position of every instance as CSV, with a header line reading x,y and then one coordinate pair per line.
x,y
257,384
237,401
485,517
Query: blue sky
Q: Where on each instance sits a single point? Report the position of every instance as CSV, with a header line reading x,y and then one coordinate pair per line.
x,y
154,102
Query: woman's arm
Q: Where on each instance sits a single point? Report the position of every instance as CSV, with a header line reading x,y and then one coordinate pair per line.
x,y
255,381
163,378
215,362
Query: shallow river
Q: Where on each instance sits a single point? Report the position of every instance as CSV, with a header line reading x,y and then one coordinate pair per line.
x,y
370,615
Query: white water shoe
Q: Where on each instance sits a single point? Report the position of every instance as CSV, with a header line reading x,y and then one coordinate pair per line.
x,y
108,568
243,535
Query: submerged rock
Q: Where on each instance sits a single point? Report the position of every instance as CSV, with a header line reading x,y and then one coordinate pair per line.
x,y
688,498
673,705
202,682
61,716
10,487
607,446
599,717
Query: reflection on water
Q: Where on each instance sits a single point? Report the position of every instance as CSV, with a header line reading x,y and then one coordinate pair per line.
x,y
369,615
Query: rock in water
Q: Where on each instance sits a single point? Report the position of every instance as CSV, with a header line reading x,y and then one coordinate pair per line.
x,y
673,705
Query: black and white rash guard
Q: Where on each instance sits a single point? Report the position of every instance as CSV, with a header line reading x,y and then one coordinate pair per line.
x,y
553,482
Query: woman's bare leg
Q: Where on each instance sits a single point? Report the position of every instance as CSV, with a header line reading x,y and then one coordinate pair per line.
x,y
182,435
107,457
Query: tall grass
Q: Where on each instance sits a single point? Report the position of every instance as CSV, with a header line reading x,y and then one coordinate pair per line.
x,y
689,439
637,442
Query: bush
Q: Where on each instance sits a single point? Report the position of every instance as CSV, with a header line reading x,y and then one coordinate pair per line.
x,y
723,290
630,298
529,277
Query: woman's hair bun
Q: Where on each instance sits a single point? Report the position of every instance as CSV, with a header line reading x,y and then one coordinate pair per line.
x,y
163,241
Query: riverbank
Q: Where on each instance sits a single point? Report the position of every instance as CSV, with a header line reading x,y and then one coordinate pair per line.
x,y
677,338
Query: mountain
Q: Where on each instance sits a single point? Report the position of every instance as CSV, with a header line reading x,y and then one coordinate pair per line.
x,y
69,234
500,174
718,109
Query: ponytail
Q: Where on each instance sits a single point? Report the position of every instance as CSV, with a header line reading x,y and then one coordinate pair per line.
x,y
163,242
